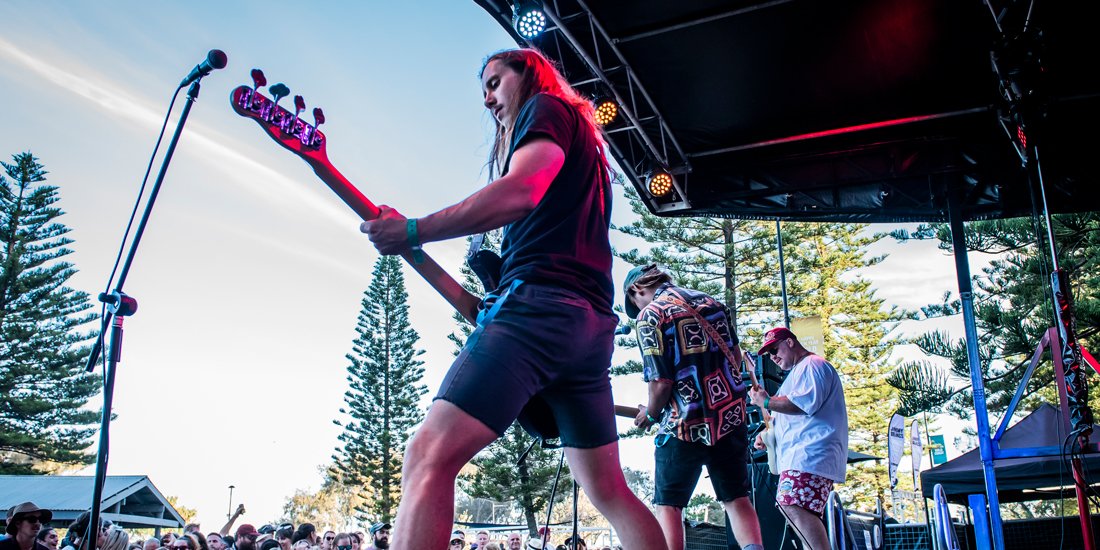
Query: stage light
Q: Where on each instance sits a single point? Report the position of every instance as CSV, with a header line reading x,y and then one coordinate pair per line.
x,y
606,111
660,183
528,19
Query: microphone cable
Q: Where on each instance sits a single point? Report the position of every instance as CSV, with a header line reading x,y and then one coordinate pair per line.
x,y
126,236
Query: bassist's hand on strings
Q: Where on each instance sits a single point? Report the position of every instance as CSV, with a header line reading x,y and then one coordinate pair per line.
x,y
389,232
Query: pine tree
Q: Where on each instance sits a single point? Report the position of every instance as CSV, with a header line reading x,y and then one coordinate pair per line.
x,y
737,261
385,388
43,386
495,474
1012,310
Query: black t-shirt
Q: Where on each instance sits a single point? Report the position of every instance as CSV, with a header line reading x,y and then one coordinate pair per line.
x,y
563,241
11,544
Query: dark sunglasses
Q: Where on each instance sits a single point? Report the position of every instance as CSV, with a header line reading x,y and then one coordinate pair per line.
x,y
330,538
343,547
33,519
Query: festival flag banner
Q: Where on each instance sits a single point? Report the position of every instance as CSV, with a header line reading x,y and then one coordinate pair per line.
x,y
939,451
895,444
916,447
811,334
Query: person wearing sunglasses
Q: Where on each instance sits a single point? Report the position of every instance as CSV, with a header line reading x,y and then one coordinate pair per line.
x,y
23,523
340,541
810,424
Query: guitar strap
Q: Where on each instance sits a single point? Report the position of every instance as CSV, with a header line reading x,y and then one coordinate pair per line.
x,y
475,244
710,330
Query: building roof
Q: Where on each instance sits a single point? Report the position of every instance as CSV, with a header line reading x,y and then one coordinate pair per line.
x,y
130,501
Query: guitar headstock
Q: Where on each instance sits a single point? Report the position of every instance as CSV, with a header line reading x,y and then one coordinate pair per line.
x,y
285,127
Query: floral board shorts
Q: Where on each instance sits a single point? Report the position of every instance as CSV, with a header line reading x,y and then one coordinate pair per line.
x,y
803,489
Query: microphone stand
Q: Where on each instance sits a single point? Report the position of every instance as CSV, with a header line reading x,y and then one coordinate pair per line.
x,y
120,306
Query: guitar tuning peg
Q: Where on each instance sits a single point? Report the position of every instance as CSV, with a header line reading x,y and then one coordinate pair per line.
x,y
299,105
315,139
278,92
258,79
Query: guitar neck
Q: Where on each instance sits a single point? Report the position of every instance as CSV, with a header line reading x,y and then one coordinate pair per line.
x,y
626,412
462,300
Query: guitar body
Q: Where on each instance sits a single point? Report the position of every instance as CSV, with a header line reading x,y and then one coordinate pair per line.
x,y
486,265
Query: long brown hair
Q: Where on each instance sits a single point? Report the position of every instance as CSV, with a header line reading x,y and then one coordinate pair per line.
x,y
537,75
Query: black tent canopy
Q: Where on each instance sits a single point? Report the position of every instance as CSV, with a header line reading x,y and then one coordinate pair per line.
x,y
1018,479
853,110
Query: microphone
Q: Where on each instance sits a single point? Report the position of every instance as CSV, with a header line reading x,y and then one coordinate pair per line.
x,y
622,329
216,59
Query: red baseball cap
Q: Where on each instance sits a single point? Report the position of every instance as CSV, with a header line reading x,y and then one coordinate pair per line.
x,y
247,529
774,335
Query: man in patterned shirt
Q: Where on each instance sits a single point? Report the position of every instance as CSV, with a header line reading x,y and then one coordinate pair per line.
x,y
697,398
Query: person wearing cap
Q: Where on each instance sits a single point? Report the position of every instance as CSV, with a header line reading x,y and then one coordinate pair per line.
x,y
22,524
810,424
458,540
246,537
380,536
692,365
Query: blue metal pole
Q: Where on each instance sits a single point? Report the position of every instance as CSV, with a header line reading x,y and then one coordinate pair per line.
x,y
966,294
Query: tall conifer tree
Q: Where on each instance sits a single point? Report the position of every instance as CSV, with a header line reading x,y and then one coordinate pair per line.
x,y
383,397
43,386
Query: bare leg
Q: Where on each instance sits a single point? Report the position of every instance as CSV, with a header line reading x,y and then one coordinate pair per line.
x,y
446,441
809,527
743,521
671,519
598,471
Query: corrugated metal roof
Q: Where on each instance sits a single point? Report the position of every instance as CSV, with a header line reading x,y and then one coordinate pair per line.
x,y
58,493
130,500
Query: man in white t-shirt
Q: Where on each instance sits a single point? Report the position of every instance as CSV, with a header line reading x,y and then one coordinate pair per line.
x,y
810,423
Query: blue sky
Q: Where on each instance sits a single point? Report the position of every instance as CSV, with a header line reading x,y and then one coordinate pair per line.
x,y
250,273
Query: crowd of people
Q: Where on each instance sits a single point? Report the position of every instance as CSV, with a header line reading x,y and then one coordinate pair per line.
x,y
27,528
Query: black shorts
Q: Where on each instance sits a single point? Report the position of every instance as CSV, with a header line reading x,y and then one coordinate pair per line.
x,y
542,340
679,464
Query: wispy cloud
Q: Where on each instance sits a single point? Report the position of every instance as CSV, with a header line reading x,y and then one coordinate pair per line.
x,y
217,151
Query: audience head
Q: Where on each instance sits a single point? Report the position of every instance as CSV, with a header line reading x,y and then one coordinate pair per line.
x,y
246,537
48,537
215,542
151,543
117,539
340,541
458,540
380,535
515,541
26,520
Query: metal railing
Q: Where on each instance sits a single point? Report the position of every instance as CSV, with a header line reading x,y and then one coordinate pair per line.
x,y
943,531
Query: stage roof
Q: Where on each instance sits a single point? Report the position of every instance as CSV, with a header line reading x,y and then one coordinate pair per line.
x,y
861,110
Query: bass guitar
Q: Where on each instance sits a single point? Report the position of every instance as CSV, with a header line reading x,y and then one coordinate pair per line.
x,y
307,142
